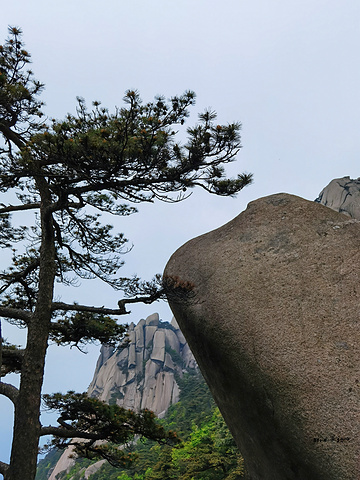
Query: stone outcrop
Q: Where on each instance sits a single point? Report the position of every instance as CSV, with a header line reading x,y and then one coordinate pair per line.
x,y
342,195
142,375
67,461
273,321
63,465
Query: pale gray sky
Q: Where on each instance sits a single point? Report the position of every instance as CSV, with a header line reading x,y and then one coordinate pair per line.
x,y
288,70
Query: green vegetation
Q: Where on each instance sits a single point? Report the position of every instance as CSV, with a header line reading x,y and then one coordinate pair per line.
x,y
97,420
47,463
209,454
207,450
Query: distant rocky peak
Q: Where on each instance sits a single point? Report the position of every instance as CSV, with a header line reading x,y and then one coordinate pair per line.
x,y
143,373
342,195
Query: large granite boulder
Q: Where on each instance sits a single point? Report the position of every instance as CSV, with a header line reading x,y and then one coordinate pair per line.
x,y
270,306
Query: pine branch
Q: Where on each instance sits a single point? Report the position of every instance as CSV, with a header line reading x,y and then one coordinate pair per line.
x,y
15,208
86,308
18,276
9,391
10,135
15,313
12,359
4,467
69,432
84,420
147,299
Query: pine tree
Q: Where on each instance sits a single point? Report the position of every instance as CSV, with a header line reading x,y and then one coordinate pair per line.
x,y
64,174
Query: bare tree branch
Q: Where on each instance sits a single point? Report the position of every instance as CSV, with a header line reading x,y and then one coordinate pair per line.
x,y
4,467
33,206
64,432
9,391
15,208
11,135
86,308
15,313
147,299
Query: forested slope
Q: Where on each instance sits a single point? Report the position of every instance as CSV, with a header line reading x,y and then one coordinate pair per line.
x,y
207,450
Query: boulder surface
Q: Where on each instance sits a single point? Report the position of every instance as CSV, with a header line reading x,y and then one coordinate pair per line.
x,y
273,322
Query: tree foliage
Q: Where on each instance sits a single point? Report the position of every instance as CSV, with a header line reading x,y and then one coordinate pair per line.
x,y
207,450
95,420
63,174
209,454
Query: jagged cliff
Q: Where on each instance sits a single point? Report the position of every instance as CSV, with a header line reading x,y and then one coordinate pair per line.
x,y
141,374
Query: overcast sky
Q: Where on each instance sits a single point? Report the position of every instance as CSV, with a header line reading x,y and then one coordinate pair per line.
x,y
288,70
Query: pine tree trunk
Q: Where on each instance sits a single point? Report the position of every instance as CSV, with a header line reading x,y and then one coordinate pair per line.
x,y
24,451
27,410
1,349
